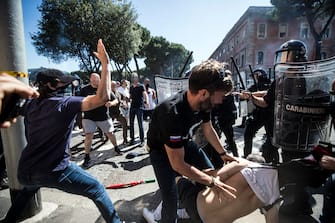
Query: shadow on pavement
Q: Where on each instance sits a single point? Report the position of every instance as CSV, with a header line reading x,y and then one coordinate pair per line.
x,y
131,165
131,211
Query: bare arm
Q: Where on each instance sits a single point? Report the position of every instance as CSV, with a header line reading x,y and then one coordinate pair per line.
x,y
272,216
146,99
93,101
259,101
9,86
115,102
255,97
176,158
327,162
230,169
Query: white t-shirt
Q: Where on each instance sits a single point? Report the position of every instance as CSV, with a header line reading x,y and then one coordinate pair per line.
x,y
152,101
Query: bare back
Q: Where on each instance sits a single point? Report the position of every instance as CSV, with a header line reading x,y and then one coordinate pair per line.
x,y
212,209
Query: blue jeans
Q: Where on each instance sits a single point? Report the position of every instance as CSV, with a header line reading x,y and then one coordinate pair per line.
x,y
165,176
139,114
73,180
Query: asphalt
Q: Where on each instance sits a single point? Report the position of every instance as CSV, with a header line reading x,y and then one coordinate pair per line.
x,y
133,165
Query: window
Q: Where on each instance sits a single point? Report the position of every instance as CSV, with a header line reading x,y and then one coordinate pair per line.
x,y
282,30
261,31
236,39
323,55
304,31
260,57
326,34
242,60
243,34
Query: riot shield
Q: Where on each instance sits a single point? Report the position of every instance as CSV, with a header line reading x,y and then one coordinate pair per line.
x,y
302,104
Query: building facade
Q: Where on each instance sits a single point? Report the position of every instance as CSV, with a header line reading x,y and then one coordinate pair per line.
x,y
256,36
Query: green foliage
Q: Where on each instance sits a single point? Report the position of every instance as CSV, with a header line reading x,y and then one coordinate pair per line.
x,y
145,40
71,28
165,58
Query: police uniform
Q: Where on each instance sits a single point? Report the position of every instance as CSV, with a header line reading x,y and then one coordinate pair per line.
x,y
226,114
259,117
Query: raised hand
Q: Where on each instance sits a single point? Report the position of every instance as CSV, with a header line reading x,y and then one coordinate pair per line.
x,y
101,53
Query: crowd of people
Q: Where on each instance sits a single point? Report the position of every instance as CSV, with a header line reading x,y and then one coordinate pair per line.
x,y
212,189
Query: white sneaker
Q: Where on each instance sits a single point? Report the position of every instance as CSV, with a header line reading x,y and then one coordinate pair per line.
x,y
149,216
182,214
158,212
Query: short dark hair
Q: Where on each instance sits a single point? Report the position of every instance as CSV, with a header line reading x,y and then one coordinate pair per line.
x,y
210,75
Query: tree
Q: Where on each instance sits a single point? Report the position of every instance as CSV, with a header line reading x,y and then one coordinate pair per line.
x,y
145,39
314,11
165,58
70,29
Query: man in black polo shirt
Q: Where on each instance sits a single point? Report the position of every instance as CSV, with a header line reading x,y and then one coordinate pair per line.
x,y
172,128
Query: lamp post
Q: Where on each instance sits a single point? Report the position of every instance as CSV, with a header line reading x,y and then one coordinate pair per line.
x,y
12,60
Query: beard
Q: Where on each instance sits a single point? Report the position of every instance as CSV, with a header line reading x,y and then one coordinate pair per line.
x,y
206,105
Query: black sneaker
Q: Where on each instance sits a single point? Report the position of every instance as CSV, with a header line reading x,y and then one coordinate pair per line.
x,y
87,160
4,183
142,144
118,150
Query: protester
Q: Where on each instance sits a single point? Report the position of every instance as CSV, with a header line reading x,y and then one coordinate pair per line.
x,y
98,117
125,99
49,122
151,100
115,112
172,128
257,186
138,101
9,86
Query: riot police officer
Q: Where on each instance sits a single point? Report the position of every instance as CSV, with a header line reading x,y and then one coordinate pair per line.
x,y
260,116
290,51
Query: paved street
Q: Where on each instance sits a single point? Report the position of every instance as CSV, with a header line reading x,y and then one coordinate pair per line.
x,y
111,168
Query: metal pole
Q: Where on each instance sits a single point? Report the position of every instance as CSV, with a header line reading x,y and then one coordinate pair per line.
x,y
13,58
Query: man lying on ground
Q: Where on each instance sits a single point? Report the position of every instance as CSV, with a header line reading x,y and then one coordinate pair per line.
x,y
258,186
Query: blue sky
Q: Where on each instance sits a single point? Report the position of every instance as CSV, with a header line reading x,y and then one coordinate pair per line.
x,y
199,25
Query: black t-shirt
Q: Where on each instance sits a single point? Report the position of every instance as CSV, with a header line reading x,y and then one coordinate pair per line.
x,y
136,95
97,114
174,123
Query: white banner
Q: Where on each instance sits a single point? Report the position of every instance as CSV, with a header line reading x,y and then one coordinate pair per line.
x,y
167,86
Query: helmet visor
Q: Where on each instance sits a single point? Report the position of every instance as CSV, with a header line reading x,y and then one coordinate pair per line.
x,y
281,57
290,56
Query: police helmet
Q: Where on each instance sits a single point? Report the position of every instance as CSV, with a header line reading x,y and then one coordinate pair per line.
x,y
261,74
291,51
